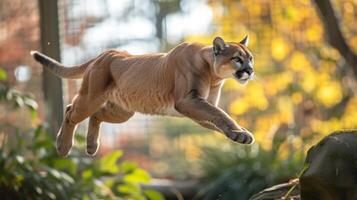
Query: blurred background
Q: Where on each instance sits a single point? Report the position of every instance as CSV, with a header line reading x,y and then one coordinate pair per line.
x,y
305,88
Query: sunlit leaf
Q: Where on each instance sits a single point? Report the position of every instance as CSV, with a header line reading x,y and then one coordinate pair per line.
x,y
329,94
67,164
32,104
127,167
279,48
129,189
138,176
87,174
153,195
108,163
3,74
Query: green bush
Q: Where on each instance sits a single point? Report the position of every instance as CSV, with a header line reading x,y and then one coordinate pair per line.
x,y
31,169
239,172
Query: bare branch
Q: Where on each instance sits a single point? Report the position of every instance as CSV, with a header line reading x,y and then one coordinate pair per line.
x,y
334,34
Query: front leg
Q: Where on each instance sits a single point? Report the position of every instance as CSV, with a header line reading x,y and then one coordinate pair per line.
x,y
208,125
198,109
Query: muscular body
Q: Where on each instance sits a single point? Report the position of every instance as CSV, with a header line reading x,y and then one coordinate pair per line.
x,y
183,82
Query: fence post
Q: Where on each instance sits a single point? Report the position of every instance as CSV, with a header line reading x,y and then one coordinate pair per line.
x,y
50,45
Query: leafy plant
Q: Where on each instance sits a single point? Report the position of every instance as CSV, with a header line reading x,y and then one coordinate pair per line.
x,y
239,172
30,169
15,98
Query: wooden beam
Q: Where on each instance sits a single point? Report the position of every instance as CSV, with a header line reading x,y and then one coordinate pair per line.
x,y
50,45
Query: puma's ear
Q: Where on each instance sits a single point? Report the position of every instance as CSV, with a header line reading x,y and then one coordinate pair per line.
x,y
245,41
218,45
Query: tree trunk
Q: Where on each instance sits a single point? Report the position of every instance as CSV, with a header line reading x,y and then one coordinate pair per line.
x,y
334,34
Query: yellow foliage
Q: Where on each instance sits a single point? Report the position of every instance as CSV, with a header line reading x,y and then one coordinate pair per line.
x,y
354,42
309,80
265,129
239,106
314,33
326,127
283,151
279,48
349,118
231,84
329,93
277,82
256,96
296,142
327,66
299,62
330,52
296,98
285,108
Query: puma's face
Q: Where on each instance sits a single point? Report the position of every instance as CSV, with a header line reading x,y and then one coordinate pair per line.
x,y
233,60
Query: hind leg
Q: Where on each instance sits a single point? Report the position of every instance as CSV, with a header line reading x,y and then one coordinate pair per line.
x,y
76,112
110,112
91,96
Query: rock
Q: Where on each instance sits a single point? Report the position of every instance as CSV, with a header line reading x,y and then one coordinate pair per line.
x,y
331,172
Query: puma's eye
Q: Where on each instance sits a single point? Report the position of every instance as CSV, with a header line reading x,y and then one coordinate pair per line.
x,y
237,59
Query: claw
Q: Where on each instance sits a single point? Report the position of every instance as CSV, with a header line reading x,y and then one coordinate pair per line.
x,y
243,137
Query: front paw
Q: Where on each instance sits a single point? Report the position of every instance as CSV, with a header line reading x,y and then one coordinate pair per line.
x,y
242,136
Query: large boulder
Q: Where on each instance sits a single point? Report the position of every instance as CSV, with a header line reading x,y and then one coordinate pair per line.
x,y
330,172
331,169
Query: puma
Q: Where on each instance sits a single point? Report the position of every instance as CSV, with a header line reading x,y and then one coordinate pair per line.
x,y
186,81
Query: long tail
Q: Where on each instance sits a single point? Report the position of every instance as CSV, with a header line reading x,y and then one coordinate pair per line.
x,y
74,72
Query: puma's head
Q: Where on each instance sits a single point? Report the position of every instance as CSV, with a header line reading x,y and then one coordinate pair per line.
x,y
233,60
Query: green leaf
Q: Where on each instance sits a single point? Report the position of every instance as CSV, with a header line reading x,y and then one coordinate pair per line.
x,y
3,75
65,164
87,174
55,173
85,197
19,159
108,163
127,167
109,183
153,195
138,176
46,144
30,103
67,177
129,189
37,132
19,178
80,138
19,102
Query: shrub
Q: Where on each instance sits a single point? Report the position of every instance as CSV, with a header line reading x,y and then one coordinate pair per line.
x,y
31,169
239,172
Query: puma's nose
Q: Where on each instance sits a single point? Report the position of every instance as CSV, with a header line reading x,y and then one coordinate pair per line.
x,y
249,70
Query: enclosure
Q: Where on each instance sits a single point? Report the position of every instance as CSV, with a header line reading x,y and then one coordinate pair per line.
x,y
304,88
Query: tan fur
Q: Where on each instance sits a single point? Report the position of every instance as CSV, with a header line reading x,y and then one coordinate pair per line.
x,y
183,82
